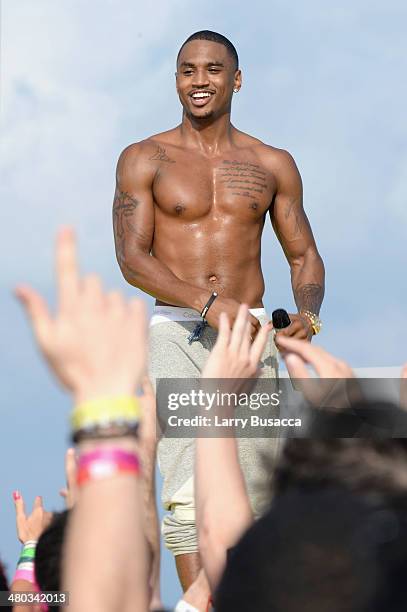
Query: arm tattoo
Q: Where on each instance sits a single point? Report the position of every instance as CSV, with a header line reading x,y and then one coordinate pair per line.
x,y
124,206
291,209
309,297
161,155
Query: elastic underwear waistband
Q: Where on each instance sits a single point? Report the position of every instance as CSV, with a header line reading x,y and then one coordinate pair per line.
x,y
163,314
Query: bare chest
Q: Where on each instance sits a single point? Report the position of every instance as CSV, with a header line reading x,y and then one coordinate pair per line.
x,y
193,188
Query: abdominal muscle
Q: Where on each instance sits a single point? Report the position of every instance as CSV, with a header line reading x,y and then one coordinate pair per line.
x,y
241,280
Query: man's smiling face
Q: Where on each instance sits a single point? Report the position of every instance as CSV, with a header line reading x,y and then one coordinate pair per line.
x,y
206,76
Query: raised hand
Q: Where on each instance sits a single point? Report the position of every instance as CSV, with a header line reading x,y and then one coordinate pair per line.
x,y
30,527
96,342
297,354
234,354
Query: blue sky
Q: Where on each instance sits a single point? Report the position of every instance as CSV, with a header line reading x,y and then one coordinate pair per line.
x,y
82,80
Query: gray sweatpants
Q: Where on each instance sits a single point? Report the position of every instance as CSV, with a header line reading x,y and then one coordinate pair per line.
x,y
172,357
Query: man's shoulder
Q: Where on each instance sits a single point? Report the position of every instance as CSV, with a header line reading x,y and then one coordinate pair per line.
x,y
273,155
148,147
267,153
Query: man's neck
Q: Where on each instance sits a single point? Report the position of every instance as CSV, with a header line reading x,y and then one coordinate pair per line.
x,y
211,137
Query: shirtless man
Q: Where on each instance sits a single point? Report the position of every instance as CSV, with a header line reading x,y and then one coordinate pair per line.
x,y
189,211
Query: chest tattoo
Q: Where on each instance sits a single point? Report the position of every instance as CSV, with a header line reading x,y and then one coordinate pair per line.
x,y
243,178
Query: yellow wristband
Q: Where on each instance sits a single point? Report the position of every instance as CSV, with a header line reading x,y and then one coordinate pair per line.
x,y
104,411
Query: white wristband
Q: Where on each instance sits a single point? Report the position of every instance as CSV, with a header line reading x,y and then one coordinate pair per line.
x,y
183,606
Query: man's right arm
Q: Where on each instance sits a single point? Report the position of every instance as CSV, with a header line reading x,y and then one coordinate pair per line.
x,y
133,225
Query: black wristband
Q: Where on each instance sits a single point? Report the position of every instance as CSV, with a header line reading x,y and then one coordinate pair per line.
x,y
208,304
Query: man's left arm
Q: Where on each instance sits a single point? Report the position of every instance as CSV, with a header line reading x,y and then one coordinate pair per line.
x,y
294,232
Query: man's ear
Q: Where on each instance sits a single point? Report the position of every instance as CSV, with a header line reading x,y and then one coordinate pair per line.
x,y
238,80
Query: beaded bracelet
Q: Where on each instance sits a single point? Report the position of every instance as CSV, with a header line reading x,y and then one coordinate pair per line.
x,y
103,432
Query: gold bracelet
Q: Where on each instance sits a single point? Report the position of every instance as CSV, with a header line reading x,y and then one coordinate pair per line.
x,y
316,323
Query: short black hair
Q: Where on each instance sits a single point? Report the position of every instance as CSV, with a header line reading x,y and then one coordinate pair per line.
x,y
4,585
318,550
361,464
213,37
49,554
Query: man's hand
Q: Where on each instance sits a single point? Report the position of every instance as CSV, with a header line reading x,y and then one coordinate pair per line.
x,y
231,308
96,343
30,527
300,328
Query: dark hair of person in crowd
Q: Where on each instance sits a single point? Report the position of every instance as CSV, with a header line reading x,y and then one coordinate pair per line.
x,y
362,464
320,549
335,537
4,585
48,556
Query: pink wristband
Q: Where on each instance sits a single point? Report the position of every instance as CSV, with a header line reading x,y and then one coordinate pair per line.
x,y
106,462
114,455
25,574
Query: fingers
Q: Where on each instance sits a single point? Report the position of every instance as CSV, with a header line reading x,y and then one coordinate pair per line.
x,y
70,468
19,505
224,332
246,340
66,269
295,330
255,326
296,366
138,311
146,386
239,328
38,505
48,516
91,290
325,364
304,349
37,311
138,325
259,344
115,301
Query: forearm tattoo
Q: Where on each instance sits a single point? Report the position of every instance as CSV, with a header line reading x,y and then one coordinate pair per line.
x,y
309,297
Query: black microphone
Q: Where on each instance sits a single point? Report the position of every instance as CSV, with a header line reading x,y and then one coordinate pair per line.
x,y
280,319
